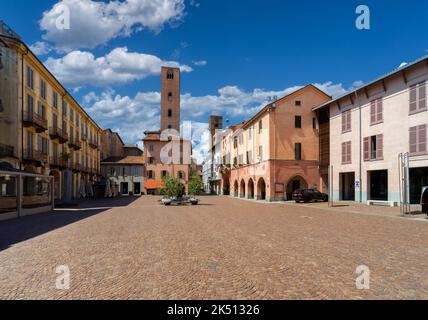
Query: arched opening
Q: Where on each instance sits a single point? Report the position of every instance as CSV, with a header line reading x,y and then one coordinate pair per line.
x,y
250,189
226,187
261,189
6,165
235,189
294,184
57,184
242,189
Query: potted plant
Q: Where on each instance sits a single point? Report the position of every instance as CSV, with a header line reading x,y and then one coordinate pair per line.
x,y
172,191
195,188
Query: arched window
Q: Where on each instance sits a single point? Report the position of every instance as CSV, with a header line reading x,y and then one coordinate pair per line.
x,y
170,75
181,175
169,113
170,96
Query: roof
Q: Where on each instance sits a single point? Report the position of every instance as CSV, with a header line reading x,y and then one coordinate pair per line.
x,y
385,76
270,105
115,133
136,160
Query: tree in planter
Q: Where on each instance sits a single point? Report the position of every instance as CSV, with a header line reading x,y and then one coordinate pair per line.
x,y
195,186
173,188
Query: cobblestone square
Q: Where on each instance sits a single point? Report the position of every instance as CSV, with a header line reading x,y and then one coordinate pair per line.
x,y
134,248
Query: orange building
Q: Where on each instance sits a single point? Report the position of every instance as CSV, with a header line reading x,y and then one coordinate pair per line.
x,y
276,151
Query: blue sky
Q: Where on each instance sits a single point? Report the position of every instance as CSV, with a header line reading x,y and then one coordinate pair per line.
x,y
234,54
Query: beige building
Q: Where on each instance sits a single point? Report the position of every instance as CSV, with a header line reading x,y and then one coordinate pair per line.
x,y
43,129
369,128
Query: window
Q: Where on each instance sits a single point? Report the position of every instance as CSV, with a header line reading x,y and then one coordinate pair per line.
x,y
164,174
260,126
346,121
150,174
241,139
77,119
43,89
261,153
250,134
170,75
235,143
30,105
298,122
55,100
170,113
314,123
418,140
181,175
418,97
152,160
151,148
64,109
169,126
30,78
170,96
347,152
298,103
373,148
376,111
241,159
298,151
249,157
71,115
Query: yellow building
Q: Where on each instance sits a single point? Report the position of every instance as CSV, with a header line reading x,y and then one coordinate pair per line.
x,y
42,128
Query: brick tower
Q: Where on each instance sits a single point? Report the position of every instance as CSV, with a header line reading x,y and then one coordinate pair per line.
x,y
170,100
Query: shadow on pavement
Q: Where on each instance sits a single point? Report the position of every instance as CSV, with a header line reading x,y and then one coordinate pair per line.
x,y
25,228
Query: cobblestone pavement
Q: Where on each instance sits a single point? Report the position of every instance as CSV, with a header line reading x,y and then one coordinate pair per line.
x,y
223,249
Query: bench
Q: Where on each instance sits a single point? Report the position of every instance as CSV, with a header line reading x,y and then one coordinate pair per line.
x,y
382,203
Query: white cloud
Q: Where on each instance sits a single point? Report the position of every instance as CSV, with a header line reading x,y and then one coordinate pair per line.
x,y
94,23
132,116
200,63
82,68
40,48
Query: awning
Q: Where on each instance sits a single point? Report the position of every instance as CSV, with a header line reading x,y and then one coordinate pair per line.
x,y
153,184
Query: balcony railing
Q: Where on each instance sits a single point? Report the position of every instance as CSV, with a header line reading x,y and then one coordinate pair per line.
x,y
58,133
35,155
93,144
75,143
6,151
35,120
58,162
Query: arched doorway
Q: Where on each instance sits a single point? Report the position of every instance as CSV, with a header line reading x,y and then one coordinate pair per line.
x,y
57,184
294,184
235,189
251,189
242,189
226,187
261,189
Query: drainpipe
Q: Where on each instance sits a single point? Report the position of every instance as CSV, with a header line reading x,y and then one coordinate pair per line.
x,y
360,146
22,108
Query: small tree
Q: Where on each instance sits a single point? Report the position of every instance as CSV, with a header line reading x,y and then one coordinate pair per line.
x,y
195,186
173,188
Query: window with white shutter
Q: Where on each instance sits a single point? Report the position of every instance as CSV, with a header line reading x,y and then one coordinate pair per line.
x,y
418,97
373,148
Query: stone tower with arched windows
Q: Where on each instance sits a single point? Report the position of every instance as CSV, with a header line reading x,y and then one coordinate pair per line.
x,y
170,100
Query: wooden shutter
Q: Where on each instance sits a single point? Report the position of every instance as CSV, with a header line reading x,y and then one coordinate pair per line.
x,y
366,149
422,138
348,121
343,121
413,98
379,111
373,112
379,147
422,96
343,152
348,152
413,141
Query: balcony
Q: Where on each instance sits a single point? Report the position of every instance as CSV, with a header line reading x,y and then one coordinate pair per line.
x,y
58,162
75,144
36,157
93,144
6,151
36,121
58,133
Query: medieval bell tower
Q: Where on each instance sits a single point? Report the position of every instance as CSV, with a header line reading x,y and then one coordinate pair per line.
x,y
170,100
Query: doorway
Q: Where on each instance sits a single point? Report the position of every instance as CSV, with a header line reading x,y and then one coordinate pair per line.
x,y
294,184
347,186
137,188
378,182
124,188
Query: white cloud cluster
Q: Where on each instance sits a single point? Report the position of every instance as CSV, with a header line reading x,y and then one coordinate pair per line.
x,y
40,48
82,68
132,116
94,23
200,63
